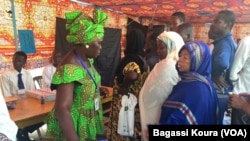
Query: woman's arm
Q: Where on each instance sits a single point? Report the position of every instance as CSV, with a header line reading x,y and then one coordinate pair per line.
x,y
64,99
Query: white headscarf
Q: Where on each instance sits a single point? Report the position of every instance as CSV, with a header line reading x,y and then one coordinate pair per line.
x,y
159,82
173,41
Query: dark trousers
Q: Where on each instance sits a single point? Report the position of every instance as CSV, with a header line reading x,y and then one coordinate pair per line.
x,y
223,100
22,134
223,105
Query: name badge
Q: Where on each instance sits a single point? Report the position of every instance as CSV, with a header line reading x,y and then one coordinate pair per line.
x,y
96,103
21,91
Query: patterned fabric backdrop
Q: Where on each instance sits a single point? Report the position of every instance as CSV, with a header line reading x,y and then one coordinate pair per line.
x,y
39,16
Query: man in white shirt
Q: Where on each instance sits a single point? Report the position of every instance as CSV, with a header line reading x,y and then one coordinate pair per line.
x,y
9,83
240,75
50,69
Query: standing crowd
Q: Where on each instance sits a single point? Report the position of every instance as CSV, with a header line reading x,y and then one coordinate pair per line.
x,y
192,83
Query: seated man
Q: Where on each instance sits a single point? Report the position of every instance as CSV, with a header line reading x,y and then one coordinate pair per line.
x,y
17,81
10,83
50,69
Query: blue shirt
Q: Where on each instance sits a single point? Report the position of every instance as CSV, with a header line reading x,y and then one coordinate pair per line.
x,y
222,56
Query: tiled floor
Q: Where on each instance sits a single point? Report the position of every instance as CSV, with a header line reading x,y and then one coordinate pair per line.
x,y
35,136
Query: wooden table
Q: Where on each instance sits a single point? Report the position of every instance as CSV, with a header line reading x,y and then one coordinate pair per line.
x,y
30,111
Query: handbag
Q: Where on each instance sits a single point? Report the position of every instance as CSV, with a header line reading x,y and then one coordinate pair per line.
x,y
126,115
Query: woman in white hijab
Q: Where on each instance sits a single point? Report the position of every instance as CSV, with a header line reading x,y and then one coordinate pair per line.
x,y
8,128
160,81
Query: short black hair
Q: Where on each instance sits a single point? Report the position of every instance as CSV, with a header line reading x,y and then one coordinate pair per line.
x,y
187,27
228,16
21,53
180,15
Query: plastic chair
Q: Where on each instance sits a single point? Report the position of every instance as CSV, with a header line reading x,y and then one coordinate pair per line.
x,y
38,81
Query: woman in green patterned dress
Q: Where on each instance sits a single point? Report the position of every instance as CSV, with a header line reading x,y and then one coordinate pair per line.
x,y
77,114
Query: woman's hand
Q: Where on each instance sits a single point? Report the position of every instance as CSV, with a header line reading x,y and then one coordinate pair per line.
x,y
104,91
123,90
246,96
239,101
220,82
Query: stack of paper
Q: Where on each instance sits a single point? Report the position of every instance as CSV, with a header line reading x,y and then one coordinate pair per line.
x,y
47,94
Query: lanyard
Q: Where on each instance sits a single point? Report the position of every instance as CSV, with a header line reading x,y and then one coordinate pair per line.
x,y
85,66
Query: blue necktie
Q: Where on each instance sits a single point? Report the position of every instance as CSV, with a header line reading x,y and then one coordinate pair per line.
x,y
20,81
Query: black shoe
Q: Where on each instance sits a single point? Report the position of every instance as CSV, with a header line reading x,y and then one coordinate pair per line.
x,y
23,135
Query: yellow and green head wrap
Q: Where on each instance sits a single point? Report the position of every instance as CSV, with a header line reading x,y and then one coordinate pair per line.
x,y
83,29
